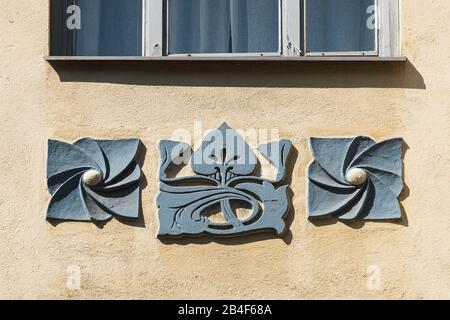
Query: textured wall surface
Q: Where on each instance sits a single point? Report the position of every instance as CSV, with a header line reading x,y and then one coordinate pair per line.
x,y
149,101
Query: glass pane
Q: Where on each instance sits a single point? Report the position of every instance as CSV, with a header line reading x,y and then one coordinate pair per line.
x,y
223,26
340,25
96,27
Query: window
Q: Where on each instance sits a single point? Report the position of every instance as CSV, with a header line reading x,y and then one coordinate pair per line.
x,y
232,28
224,26
340,26
96,27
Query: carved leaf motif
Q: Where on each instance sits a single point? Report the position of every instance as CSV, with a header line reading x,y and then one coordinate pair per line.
x,y
225,159
223,154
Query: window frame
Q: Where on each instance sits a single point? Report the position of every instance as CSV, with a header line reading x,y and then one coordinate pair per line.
x,y
292,36
387,37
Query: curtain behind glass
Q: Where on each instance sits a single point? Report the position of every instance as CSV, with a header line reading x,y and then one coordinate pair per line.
x,y
108,28
339,25
223,26
61,41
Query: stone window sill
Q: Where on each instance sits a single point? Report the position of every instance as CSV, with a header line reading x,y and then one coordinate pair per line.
x,y
237,59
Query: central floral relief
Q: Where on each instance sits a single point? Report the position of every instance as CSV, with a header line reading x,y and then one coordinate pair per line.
x,y
224,167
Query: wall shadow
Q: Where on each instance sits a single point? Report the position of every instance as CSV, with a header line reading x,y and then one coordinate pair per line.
x,y
268,74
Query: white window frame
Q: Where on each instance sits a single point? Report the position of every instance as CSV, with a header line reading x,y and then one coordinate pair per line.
x,y
152,28
387,37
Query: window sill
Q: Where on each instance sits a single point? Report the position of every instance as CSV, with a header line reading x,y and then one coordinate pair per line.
x,y
238,59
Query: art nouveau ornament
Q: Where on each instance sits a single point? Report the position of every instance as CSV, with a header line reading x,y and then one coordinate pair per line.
x,y
93,179
224,166
355,178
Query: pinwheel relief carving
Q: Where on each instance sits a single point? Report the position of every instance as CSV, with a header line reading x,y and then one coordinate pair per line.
x,y
93,180
224,166
355,178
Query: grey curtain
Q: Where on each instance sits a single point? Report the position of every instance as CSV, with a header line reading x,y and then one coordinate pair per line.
x,y
61,41
339,25
108,28
223,26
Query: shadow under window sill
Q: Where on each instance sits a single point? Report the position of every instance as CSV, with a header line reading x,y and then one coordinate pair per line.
x,y
248,72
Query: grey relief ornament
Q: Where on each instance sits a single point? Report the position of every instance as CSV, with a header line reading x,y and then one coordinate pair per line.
x,y
224,167
355,178
93,180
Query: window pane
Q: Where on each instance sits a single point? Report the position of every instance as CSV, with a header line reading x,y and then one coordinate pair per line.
x,y
96,27
340,25
223,26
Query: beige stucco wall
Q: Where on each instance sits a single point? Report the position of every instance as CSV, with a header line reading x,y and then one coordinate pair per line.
x,y
149,101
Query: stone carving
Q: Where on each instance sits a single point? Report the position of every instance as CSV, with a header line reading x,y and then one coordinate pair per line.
x,y
355,178
224,166
92,180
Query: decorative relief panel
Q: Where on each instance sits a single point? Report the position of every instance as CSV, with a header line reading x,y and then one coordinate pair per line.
x,y
355,178
93,179
224,178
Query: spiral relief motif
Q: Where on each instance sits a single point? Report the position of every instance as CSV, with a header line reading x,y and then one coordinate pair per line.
x,y
93,179
355,178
